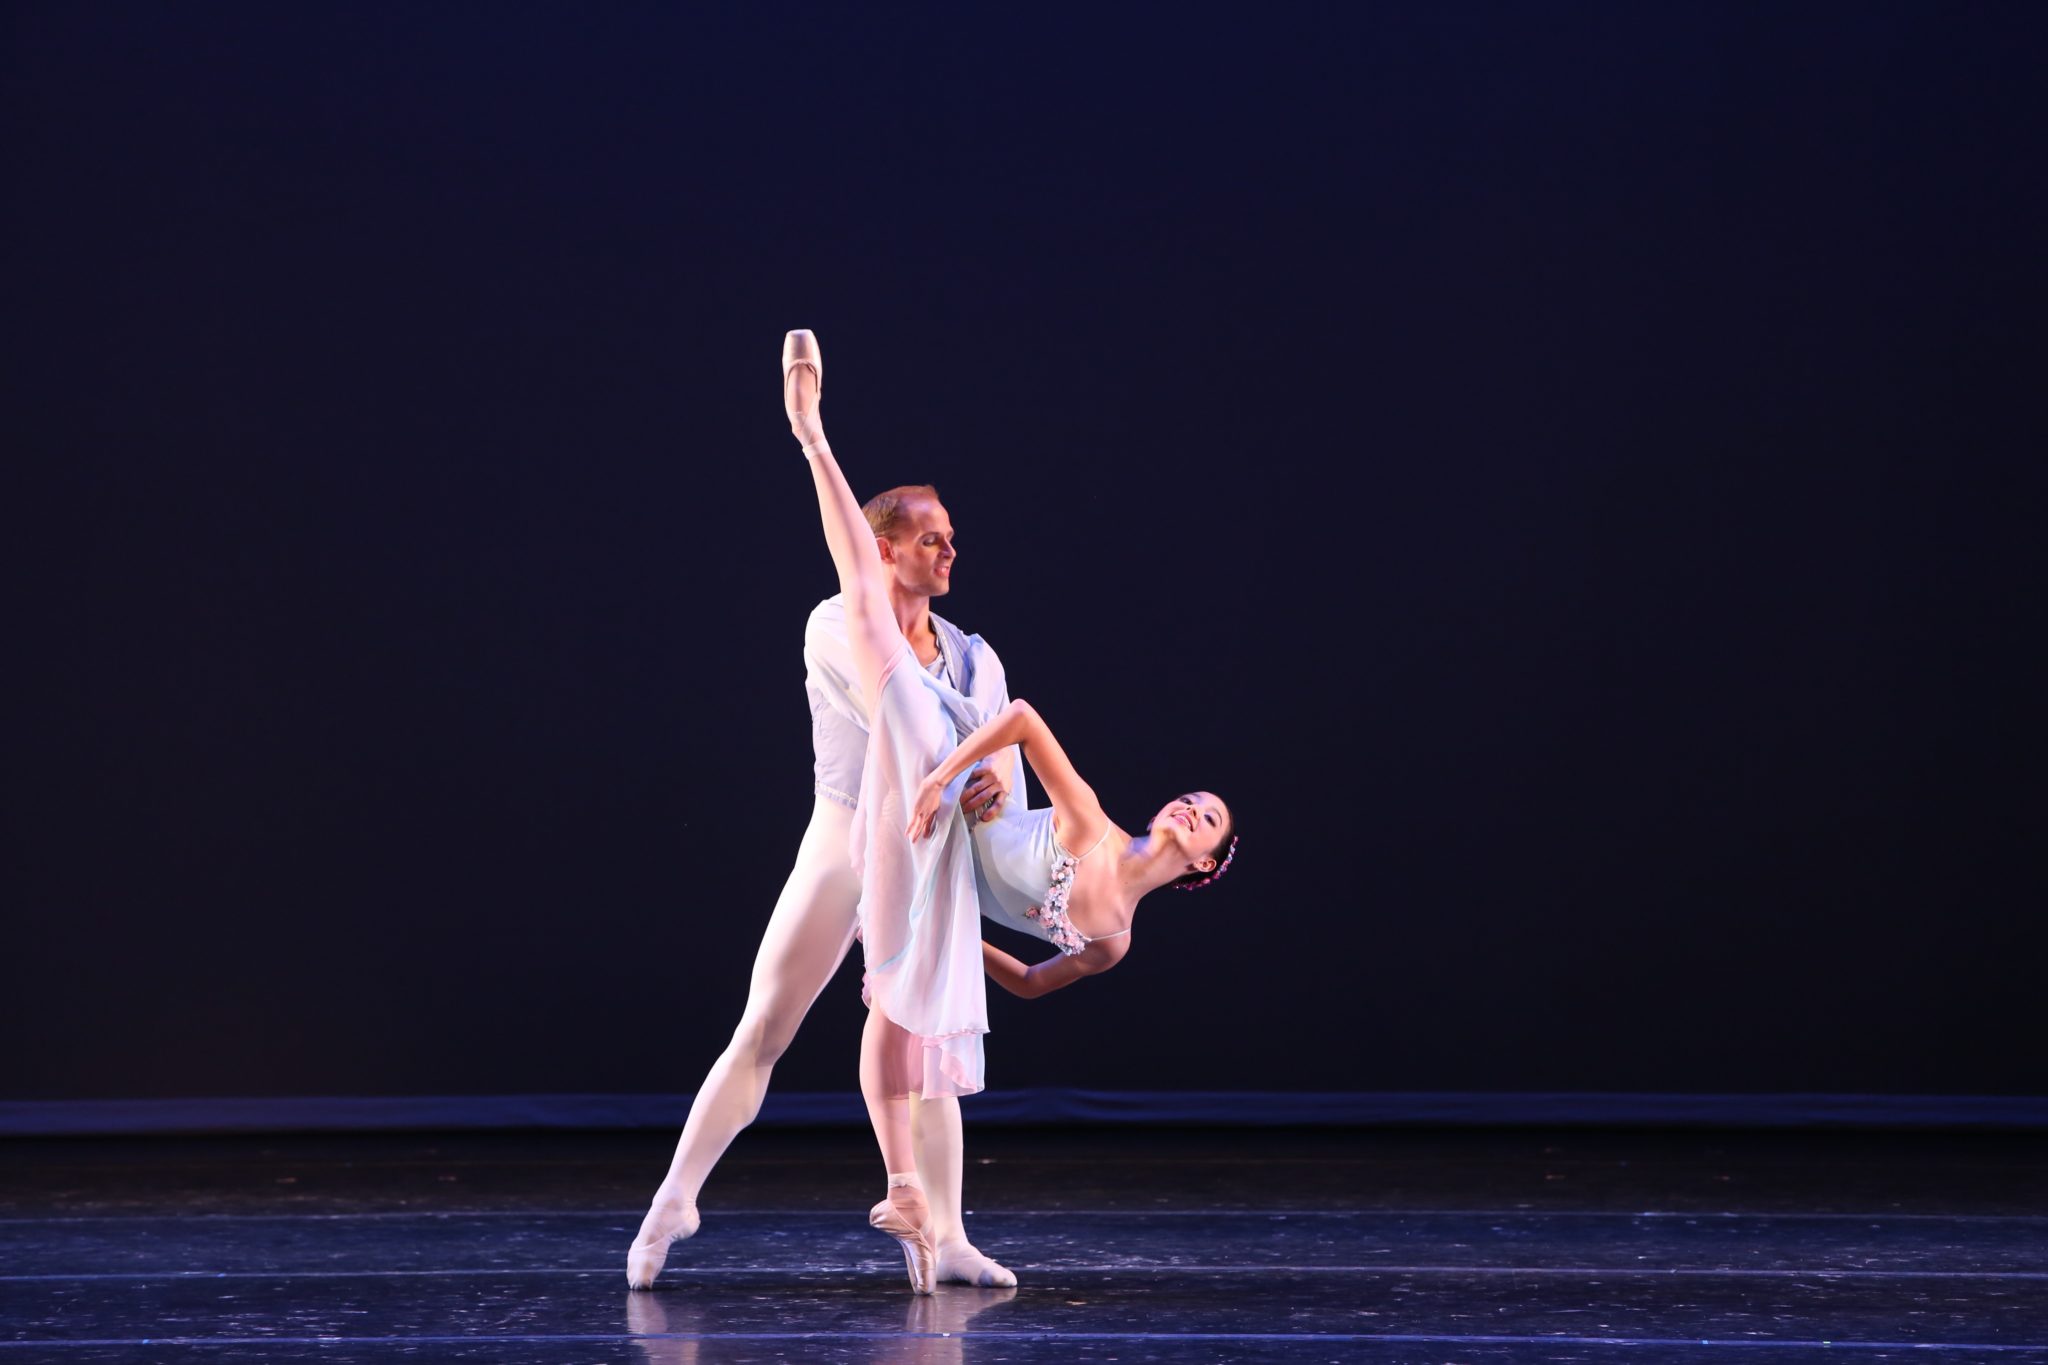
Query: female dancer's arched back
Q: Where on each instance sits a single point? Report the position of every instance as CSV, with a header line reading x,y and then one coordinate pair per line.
x,y
919,910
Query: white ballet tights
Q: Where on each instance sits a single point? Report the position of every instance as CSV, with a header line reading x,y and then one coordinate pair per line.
x,y
936,1125
807,937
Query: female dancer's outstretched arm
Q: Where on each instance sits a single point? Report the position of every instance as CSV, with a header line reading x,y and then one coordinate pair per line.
x,y
1028,983
1077,814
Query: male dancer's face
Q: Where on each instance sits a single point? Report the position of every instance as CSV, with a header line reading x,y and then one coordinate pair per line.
x,y
921,552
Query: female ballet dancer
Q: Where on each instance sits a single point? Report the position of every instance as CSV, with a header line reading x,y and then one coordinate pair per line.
x,y
919,912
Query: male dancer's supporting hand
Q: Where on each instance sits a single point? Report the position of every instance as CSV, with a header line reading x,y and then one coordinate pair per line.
x,y
985,795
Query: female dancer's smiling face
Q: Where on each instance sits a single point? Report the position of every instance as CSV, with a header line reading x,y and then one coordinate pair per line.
x,y
1196,823
920,551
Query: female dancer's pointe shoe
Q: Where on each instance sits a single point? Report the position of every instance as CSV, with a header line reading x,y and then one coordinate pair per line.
x,y
799,401
902,1215
664,1224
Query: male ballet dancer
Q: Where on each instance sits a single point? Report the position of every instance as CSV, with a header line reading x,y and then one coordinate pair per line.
x,y
814,919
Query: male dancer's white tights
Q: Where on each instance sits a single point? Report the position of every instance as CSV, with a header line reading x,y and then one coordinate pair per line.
x,y
807,937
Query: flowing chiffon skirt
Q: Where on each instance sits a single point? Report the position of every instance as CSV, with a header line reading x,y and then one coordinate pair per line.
x,y
919,913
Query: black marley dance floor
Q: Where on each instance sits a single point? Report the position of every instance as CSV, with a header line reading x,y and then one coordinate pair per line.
x,y
1131,1245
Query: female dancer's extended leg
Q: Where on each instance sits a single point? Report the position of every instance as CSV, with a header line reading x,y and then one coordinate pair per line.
x,y
875,637
871,626
887,1051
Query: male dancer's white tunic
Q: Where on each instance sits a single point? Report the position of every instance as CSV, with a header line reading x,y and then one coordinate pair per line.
x,y
966,666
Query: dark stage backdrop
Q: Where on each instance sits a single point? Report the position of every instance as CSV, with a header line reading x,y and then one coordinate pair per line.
x,y
1570,475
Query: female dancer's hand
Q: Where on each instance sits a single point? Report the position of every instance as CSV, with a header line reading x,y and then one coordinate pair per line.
x,y
924,810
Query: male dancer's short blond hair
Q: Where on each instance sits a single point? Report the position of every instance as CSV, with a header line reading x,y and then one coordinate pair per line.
x,y
884,510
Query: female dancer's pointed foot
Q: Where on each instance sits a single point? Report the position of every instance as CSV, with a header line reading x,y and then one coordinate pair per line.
x,y
960,1263
902,1215
665,1224
803,385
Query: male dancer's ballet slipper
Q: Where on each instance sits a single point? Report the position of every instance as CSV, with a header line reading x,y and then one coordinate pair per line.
x,y
801,348
961,1262
664,1225
902,1215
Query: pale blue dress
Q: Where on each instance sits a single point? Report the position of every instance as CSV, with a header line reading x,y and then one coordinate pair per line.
x,y
1027,874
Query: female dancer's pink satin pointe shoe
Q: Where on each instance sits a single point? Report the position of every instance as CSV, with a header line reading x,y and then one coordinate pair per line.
x,y
664,1225
902,1215
801,348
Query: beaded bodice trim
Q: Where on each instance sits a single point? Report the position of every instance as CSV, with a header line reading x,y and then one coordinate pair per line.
x,y
1052,915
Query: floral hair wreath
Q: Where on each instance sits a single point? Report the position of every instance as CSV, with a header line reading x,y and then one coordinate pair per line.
x,y
1221,868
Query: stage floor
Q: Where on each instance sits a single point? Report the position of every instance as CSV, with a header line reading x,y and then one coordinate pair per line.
x,y
1131,1245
